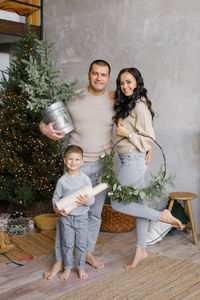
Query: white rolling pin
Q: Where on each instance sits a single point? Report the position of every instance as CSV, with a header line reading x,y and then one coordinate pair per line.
x,y
68,203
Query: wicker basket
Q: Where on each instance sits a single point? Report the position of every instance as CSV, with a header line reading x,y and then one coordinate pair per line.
x,y
35,209
113,221
46,221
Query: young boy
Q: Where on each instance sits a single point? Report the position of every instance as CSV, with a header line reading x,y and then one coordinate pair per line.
x,y
74,225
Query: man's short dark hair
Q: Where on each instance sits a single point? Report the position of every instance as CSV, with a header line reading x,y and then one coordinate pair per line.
x,y
100,62
73,149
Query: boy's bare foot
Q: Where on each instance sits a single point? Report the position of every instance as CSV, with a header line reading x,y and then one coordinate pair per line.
x,y
56,268
93,261
82,274
166,217
140,254
65,274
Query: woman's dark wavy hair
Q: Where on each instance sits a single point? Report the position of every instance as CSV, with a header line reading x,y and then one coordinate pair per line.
x,y
123,104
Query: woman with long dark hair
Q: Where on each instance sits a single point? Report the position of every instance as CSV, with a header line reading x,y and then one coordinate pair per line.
x,y
134,115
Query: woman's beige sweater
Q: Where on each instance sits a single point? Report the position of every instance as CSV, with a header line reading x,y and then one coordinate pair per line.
x,y
138,121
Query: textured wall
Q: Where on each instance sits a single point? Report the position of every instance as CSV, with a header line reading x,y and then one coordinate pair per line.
x,y
162,39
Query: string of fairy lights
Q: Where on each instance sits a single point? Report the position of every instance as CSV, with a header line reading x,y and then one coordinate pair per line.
x,y
27,158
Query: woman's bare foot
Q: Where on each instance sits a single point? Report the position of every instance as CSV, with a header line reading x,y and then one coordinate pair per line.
x,y
140,254
82,274
166,217
56,268
65,274
93,261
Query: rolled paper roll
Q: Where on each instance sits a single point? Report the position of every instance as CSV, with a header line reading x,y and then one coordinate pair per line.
x,y
99,188
68,203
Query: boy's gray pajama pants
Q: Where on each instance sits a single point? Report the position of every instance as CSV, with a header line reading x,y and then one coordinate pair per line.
x,y
92,169
133,170
73,230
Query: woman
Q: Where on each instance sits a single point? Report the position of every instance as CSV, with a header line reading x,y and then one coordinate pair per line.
x,y
133,115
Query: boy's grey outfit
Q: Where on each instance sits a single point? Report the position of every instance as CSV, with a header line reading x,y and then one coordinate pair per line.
x,y
72,228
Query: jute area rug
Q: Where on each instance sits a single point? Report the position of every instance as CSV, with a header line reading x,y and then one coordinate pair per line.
x,y
157,278
32,245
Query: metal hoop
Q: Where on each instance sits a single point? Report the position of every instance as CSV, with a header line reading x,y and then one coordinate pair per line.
x,y
148,136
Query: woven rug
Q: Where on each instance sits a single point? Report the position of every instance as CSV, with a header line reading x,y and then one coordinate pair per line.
x,y
32,245
157,278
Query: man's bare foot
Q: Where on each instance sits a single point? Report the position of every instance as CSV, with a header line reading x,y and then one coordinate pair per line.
x,y
140,254
56,268
82,274
166,217
93,261
65,274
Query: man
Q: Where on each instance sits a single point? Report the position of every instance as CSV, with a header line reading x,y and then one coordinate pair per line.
x,y
92,116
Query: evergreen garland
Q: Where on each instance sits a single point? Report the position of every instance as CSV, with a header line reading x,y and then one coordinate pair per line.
x,y
128,194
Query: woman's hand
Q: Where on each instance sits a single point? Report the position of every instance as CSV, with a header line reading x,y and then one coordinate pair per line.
x,y
112,95
148,156
122,130
82,199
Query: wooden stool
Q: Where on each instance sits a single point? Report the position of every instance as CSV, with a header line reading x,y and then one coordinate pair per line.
x,y
186,197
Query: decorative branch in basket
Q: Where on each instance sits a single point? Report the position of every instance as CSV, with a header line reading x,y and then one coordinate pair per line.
x,y
46,93
127,194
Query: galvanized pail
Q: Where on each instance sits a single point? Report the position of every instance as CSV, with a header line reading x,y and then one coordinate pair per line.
x,y
58,111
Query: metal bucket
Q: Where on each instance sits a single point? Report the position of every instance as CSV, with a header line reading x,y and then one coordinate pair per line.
x,y
58,111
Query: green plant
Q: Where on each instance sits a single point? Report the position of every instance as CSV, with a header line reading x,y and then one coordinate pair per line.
x,y
43,81
30,162
24,194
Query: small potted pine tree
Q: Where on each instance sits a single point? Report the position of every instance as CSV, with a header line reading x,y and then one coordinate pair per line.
x,y
46,91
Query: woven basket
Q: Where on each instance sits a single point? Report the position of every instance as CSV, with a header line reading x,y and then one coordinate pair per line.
x,y
113,221
46,221
35,209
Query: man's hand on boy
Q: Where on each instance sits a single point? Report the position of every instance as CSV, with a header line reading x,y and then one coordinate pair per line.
x,y
82,199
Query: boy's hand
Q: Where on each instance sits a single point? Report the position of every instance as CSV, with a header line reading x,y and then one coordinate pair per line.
x,y
82,199
61,212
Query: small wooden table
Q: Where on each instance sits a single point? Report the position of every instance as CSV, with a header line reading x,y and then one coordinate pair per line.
x,y
186,197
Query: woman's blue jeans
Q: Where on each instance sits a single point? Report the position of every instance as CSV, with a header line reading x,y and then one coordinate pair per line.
x,y
133,170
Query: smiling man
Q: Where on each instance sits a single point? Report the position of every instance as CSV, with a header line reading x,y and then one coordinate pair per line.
x,y
92,117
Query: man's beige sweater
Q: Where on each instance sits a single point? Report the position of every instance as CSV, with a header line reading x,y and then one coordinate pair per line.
x,y
92,117
138,121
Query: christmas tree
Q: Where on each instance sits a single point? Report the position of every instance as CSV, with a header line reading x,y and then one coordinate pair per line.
x,y
30,163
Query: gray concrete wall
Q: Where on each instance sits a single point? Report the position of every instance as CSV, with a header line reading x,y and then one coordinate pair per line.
x,y
162,39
